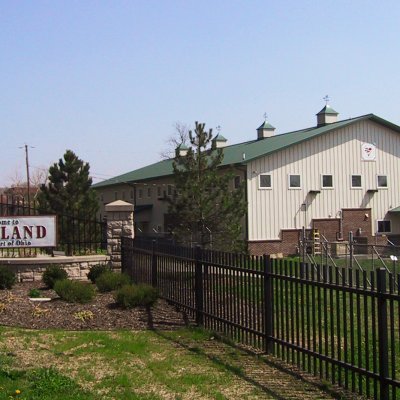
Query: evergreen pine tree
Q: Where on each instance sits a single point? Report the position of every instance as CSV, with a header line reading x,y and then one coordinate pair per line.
x,y
68,194
206,208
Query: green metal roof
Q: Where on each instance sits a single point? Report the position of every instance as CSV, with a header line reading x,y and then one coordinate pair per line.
x,y
219,138
328,110
395,210
244,152
266,125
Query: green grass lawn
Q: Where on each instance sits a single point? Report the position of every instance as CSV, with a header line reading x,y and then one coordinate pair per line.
x,y
360,261
327,320
117,365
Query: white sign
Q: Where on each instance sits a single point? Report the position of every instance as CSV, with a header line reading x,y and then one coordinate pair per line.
x,y
393,258
27,231
368,151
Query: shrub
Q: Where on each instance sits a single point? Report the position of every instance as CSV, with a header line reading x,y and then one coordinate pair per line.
x,y
52,274
74,291
110,280
7,278
130,296
34,293
96,271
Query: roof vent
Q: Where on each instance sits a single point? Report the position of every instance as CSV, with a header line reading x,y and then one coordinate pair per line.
x,y
265,130
327,116
218,142
181,150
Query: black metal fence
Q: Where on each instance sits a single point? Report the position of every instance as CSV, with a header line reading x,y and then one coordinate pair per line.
x,y
77,235
340,324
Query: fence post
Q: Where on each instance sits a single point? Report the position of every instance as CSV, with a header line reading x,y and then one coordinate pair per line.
x,y
198,286
383,334
351,244
268,309
153,264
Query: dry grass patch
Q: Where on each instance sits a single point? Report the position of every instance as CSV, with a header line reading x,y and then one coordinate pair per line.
x,y
148,365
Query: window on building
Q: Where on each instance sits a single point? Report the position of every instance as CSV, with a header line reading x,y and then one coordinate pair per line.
x,y
236,182
149,192
169,190
123,195
102,197
132,194
327,181
384,226
294,182
382,181
356,181
158,191
140,193
115,195
265,181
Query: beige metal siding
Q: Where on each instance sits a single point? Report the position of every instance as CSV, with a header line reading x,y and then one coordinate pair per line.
x,y
337,153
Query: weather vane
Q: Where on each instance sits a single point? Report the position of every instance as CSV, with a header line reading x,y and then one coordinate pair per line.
x,y
218,128
326,99
265,116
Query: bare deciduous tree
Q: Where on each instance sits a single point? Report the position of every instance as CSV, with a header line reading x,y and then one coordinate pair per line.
x,y
18,185
180,136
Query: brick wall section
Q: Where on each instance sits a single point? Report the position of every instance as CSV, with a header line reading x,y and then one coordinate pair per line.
x,y
355,218
352,220
328,227
287,245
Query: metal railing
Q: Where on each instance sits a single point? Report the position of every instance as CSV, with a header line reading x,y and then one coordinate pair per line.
x,y
335,322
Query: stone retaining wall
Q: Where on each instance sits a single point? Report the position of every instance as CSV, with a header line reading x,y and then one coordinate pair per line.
x,y
31,269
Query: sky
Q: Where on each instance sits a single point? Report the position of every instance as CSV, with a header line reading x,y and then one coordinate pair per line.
x,y
109,79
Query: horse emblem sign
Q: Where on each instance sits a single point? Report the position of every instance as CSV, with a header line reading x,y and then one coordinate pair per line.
x,y
368,151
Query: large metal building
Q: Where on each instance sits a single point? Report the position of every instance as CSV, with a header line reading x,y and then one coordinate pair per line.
x,y
335,177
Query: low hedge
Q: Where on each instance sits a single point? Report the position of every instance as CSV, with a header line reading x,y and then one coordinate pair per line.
x,y
52,274
129,296
109,281
74,291
96,271
7,277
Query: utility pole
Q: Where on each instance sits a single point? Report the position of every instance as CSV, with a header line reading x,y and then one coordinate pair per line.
x,y
27,175
27,172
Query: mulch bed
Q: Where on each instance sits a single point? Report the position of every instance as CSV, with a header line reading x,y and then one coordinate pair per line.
x,y
17,310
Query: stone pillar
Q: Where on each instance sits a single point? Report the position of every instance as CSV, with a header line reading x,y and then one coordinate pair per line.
x,y
119,223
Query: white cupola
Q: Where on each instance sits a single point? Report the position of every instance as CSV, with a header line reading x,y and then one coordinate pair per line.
x,y
265,130
327,116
